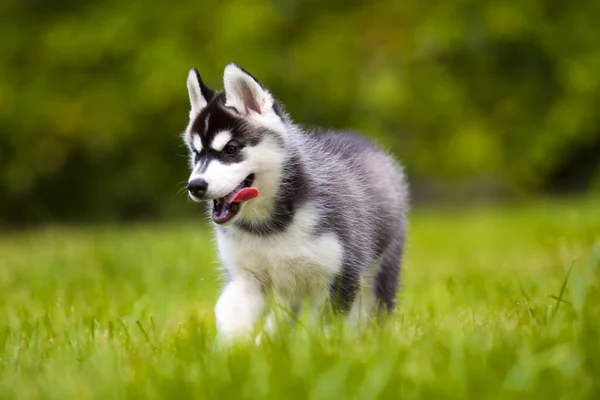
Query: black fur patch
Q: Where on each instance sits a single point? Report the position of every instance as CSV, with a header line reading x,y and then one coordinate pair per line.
x,y
343,289
215,118
207,93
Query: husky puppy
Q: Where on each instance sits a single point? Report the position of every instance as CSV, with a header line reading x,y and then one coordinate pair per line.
x,y
300,215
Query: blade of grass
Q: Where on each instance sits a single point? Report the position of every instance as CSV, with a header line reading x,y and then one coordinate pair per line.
x,y
563,288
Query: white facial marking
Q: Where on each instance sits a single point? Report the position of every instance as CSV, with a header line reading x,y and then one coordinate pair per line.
x,y
220,140
265,160
197,143
221,178
195,171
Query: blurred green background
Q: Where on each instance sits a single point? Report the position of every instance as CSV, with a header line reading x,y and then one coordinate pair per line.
x,y
479,99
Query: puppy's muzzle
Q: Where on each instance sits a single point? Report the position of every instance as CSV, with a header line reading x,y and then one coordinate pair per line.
x,y
197,187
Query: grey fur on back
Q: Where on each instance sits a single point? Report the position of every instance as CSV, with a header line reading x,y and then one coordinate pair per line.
x,y
362,197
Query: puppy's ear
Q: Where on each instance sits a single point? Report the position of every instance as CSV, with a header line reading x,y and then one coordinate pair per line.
x,y
244,93
200,95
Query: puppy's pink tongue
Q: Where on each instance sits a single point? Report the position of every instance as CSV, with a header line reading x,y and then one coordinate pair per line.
x,y
245,194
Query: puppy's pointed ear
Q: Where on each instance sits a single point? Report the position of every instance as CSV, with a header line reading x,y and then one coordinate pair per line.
x,y
200,95
244,93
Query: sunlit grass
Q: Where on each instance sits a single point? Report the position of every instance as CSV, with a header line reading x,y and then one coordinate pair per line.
x,y
488,309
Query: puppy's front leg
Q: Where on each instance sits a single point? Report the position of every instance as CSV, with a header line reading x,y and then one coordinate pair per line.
x,y
240,306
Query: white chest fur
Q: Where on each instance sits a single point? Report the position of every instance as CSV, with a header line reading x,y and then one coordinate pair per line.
x,y
294,263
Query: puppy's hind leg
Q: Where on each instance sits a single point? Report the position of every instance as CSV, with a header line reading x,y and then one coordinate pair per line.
x,y
387,279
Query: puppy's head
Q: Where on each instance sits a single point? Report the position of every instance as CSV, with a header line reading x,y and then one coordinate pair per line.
x,y
236,139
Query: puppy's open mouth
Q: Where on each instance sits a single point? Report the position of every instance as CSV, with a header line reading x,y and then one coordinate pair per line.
x,y
225,208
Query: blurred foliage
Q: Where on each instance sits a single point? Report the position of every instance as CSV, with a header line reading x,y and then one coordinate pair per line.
x,y
502,95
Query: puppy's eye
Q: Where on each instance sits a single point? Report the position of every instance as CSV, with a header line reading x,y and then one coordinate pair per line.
x,y
230,149
196,156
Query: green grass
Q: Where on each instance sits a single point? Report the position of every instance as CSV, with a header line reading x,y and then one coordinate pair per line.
x,y
497,302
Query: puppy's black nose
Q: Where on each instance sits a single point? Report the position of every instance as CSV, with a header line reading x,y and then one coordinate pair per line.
x,y
197,187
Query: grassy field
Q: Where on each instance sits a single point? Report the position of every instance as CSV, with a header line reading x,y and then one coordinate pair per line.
x,y
488,310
